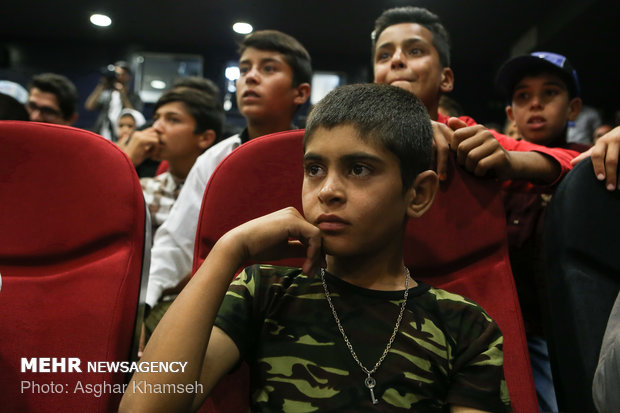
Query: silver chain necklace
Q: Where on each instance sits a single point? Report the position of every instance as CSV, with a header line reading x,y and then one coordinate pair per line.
x,y
369,382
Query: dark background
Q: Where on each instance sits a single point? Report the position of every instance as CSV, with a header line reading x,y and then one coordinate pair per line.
x,y
38,36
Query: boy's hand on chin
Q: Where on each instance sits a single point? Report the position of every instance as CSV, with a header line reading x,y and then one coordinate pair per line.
x,y
478,151
281,234
141,145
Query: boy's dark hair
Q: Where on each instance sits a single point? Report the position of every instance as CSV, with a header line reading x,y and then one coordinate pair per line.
x,y
198,83
386,114
205,109
295,55
61,87
12,109
421,16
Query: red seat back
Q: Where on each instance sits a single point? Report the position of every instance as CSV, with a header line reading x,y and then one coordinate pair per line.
x,y
459,244
72,225
162,167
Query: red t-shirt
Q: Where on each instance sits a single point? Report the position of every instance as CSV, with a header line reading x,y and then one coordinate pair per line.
x,y
562,156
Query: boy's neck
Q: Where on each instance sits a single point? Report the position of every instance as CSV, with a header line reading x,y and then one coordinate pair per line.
x,y
370,272
432,109
433,112
256,129
559,141
180,167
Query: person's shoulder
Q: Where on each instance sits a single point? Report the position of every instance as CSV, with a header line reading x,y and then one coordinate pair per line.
x,y
224,147
206,162
451,305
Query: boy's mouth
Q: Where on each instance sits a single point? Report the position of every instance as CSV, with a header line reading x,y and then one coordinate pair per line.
x,y
250,93
399,80
331,223
536,122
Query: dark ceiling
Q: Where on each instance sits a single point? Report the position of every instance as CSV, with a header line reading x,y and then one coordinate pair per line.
x,y
336,33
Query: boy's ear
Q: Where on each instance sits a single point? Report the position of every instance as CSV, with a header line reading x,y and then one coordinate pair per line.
x,y
447,80
509,113
422,193
206,139
302,93
574,107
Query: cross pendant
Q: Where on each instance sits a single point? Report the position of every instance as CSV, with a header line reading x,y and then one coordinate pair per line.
x,y
370,383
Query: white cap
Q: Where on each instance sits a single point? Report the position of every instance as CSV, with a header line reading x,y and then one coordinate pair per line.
x,y
15,90
136,115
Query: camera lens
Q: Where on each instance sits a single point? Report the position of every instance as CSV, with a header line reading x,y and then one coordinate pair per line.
x,y
108,72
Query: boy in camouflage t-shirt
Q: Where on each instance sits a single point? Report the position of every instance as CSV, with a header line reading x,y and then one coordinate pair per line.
x,y
360,334
448,350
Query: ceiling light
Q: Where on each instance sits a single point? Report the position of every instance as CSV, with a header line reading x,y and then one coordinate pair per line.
x,y
232,73
100,20
242,28
158,84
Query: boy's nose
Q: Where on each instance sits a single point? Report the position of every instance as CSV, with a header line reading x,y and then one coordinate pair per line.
x,y
252,76
536,101
157,125
397,60
331,191
35,116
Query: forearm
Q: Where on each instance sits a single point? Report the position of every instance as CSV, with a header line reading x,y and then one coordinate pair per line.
x,y
125,100
184,333
534,167
92,102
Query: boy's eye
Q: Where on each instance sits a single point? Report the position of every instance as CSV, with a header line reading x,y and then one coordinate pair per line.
x,y
521,96
314,170
360,170
243,70
382,56
269,68
416,51
552,92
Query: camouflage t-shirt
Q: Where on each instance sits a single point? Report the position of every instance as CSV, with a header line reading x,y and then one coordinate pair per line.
x,y
447,350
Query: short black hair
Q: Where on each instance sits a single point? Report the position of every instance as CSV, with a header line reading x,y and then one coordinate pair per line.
x,y
421,16
198,83
392,116
204,108
12,109
61,87
295,54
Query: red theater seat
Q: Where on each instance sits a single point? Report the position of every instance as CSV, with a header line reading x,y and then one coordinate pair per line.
x,y
459,245
72,225
162,167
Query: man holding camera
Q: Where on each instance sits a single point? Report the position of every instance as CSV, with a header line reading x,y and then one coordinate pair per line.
x,y
110,97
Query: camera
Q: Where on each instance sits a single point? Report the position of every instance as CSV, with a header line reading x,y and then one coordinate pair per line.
x,y
108,72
